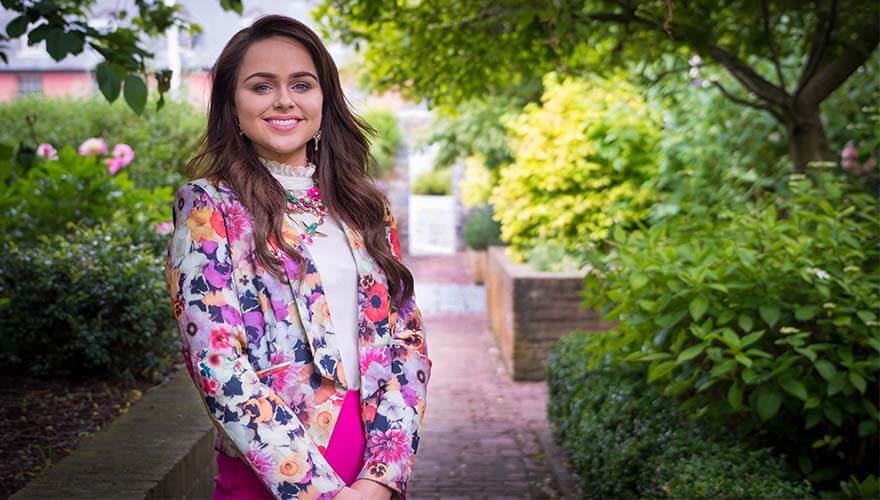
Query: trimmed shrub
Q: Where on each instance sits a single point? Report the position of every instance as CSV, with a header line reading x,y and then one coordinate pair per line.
x,y
583,162
480,230
765,316
163,140
91,302
434,182
75,190
625,440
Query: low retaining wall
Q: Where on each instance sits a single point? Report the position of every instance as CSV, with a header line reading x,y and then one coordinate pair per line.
x,y
530,310
162,448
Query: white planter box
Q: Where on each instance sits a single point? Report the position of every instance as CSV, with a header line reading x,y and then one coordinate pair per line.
x,y
431,225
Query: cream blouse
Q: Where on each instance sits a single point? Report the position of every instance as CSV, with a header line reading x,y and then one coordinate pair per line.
x,y
335,264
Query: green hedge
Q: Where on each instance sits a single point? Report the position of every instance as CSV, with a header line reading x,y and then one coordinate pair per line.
x,y
480,230
625,440
163,141
385,144
91,302
433,182
765,316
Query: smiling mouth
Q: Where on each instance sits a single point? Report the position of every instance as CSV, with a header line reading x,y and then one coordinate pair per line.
x,y
282,123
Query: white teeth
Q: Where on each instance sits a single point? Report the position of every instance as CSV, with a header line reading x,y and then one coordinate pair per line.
x,y
283,122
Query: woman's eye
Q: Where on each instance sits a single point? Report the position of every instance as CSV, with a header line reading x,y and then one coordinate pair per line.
x,y
301,86
262,87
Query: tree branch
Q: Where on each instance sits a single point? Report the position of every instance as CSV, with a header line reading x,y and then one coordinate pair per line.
x,y
774,53
837,71
752,104
821,38
749,79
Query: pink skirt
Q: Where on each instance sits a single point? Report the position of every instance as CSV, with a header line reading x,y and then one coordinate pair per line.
x,y
345,453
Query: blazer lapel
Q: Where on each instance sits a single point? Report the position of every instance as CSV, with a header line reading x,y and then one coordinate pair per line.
x,y
311,302
374,334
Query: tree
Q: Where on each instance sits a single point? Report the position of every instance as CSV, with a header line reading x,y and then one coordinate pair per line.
x,y
64,26
786,56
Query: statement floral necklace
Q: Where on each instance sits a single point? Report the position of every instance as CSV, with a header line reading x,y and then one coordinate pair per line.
x,y
311,203
303,196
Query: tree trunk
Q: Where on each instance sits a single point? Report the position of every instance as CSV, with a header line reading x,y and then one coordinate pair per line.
x,y
807,139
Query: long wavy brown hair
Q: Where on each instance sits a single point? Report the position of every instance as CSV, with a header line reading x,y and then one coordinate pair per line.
x,y
342,160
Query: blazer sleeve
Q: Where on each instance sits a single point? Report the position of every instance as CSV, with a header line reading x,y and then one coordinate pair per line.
x,y
266,433
393,434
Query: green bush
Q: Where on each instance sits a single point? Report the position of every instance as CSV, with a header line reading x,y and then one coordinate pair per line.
x,y
90,302
625,440
434,182
386,143
480,230
554,258
75,189
163,141
765,315
583,160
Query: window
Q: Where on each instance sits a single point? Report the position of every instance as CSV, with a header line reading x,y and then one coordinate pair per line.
x,y
30,84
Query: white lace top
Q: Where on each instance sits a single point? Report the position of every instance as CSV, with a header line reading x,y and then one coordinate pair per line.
x,y
335,264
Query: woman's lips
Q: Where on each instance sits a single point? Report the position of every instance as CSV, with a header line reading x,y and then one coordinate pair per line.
x,y
283,125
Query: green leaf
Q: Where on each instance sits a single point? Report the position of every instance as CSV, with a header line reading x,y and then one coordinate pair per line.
x,y
17,26
109,81
690,353
833,413
744,360
857,381
752,338
734,396
768,401
619,234
135,92
725,317
794,387
730,338
825,369
745,322
637,281
769,313
806,352
698,307
59,43
867,428
659,371
723,368
866,316
806,313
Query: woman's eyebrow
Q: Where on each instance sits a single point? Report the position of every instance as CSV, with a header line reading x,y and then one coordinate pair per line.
x,y
273,76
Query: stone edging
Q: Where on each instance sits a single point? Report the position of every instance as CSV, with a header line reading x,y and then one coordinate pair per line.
x,y
162,448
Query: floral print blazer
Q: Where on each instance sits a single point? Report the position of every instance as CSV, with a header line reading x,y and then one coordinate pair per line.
x,y
263,352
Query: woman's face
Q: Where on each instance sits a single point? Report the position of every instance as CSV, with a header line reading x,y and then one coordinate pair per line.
x,y
278,99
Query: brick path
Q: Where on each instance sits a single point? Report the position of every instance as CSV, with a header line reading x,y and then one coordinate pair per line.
x,y
485,436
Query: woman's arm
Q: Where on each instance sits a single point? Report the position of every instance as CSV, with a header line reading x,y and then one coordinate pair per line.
x,y
393,434
267,434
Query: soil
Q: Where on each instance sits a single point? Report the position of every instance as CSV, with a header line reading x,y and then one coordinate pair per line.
x,y
42,421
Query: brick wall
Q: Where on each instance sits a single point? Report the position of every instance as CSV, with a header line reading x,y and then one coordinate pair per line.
x,y
530,311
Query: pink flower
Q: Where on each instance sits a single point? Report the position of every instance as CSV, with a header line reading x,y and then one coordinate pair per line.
x,y
122,156
47,151
164,227
114,165
124,153
390,446
849,156
93,146
314,193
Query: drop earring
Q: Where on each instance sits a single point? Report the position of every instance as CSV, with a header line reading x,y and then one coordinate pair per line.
x,y
238,126
317,138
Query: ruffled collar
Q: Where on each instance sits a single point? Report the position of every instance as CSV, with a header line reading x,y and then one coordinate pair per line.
x,y
291,177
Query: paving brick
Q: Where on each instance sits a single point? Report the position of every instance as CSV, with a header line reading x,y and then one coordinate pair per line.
x,y
482,435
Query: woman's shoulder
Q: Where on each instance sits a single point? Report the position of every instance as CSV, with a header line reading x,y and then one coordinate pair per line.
x,y
217,190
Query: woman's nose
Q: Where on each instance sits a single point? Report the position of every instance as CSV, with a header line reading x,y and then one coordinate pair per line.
x,y
284,100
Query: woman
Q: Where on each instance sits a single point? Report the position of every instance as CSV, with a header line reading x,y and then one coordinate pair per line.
x,y
296,314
